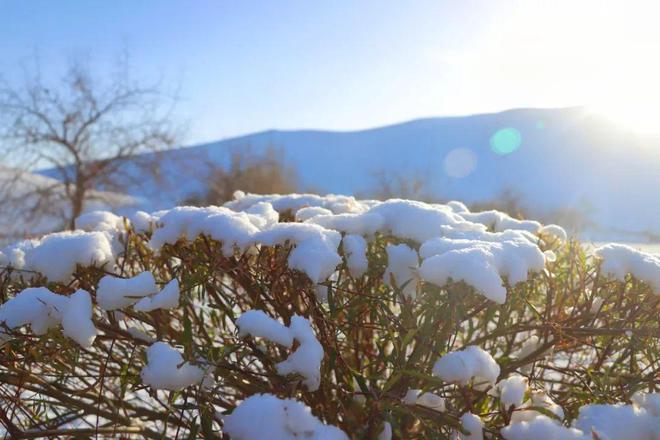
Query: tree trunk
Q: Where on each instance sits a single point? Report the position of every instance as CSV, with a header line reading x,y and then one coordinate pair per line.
x,y
77,204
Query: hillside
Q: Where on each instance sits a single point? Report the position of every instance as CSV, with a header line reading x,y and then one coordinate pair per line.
x,y
567,159
25,214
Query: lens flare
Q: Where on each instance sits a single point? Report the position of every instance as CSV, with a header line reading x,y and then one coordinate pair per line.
x,y
505,141
460,162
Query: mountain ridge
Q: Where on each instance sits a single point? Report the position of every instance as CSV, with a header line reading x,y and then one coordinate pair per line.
x,y
567,158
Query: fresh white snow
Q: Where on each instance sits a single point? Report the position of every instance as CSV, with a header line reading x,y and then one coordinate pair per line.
x,y
43,310
115,293
264,416
166,369
471,423
257,324
305,360
620,260
168,298
471,363
402,264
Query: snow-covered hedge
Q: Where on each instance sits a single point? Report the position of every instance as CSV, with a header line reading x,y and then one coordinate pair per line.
x,y
310,317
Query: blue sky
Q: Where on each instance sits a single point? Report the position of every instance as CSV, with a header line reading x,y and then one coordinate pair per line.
x,y
244,66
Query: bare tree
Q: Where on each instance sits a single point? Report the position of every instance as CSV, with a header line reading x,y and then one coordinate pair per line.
x,y
84,127
389,185
250,172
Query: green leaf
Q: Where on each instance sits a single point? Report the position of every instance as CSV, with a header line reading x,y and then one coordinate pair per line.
x,y
187,341
206,422
361,381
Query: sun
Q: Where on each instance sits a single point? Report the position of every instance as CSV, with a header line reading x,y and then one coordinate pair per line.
x,y
631,98
602,55
641,118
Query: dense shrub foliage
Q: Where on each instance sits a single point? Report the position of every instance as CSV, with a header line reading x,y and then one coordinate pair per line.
x,y
576,331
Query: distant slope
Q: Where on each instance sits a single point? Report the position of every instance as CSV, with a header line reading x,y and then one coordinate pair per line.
x,y
567,159
25,215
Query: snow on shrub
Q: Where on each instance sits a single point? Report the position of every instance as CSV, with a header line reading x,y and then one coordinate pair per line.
x,y
327,317
620,260
472,363
168,298
43,309
166,369
55,256
257,324
264,416
511,391
116,293
306,360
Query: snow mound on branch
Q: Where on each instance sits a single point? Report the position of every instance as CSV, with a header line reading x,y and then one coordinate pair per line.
x,y
142,221
322,220
99,221
542,427
168,298
538,399
305,360
619,260
471,423
419,221
463,366
402,264
481,261
57,255
43,310
77,319
304,214
361,224
115,293
355,249
612,422
337,204
166,369
555,231
512,391
257,324
648,401
264,416
229,227
315,252
500,221
428,400
607,422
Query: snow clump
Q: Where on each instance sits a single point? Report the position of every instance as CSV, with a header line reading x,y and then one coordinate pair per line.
x,y
619,260
43,310
264,416
463,366
166,369
168,298
427,400
115,293
305,360
56,255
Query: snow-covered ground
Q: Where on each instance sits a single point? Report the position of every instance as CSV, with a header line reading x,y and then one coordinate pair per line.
x,y
653,248
33,204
